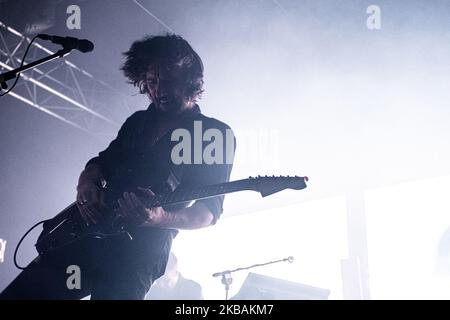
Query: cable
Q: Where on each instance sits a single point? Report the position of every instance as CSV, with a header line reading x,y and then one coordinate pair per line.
x,y
21,65
21,239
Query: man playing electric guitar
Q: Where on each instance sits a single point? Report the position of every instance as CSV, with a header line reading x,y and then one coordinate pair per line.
x,y
137,164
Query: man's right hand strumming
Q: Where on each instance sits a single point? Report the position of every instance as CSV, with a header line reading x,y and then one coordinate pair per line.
x,y
91,194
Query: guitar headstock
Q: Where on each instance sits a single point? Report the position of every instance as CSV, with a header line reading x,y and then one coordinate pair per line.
x,y
267,185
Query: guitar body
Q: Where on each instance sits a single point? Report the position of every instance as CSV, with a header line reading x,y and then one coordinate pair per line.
x,y
68,226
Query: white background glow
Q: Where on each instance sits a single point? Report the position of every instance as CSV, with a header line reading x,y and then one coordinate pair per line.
x,y
406,223
314,233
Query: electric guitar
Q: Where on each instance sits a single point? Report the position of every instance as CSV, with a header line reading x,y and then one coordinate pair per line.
x,y
68,227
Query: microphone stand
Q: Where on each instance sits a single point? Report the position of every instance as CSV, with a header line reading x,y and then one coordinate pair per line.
x,y
13,73
227,280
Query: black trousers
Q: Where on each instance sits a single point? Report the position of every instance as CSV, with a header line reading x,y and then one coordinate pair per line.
x,y
106,269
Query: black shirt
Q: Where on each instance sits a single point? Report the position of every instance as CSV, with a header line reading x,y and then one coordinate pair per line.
x,y
135,158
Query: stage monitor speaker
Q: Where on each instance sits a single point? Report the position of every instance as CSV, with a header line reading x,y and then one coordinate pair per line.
x,y
259,287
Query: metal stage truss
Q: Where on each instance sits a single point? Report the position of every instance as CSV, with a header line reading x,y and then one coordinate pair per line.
x,y
61,89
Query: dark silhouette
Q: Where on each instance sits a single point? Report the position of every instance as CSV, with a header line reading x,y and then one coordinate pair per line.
x,y
173,286
136,165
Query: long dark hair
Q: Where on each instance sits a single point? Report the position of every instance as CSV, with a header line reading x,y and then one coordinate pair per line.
x,y
169,50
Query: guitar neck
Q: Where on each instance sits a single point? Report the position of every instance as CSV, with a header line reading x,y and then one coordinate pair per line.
x,y
185,195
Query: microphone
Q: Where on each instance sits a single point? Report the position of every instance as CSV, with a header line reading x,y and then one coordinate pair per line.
x,y
289,259
220,273
82,45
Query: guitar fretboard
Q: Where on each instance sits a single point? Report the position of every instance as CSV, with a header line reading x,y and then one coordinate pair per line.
x,y
185,195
